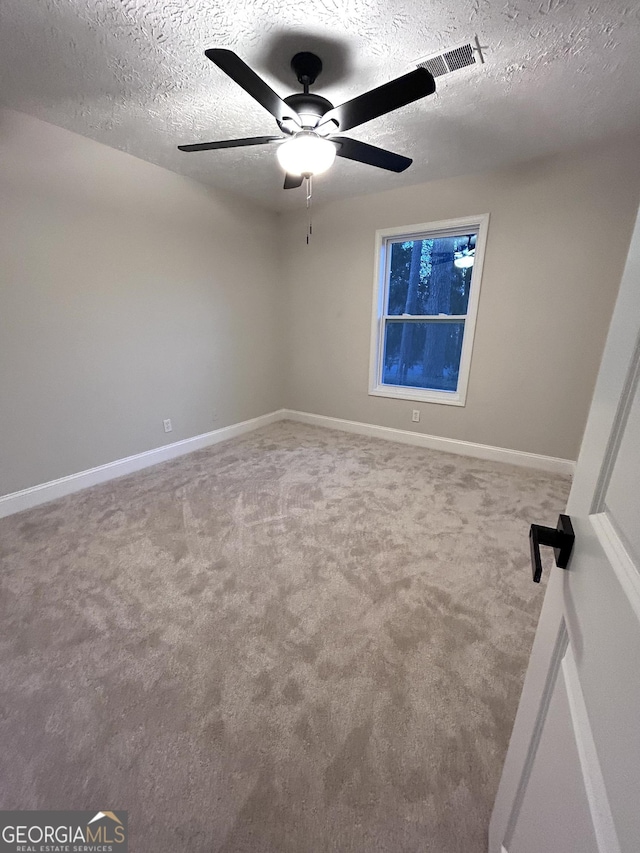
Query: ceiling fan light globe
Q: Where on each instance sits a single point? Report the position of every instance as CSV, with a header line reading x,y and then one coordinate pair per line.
x,y
306,154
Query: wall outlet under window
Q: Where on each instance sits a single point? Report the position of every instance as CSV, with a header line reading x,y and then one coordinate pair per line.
x,y
415,416
167,425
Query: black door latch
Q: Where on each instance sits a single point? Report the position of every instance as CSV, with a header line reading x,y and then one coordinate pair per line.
x,y
561,539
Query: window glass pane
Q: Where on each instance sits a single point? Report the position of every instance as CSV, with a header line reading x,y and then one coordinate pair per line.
x,y
422,355
424,278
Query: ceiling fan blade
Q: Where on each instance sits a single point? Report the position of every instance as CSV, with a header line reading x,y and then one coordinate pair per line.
x,y
292,181
229,143
352,149
391,96
255,86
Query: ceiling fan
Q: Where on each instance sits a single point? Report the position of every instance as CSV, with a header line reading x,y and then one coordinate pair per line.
x,y
308,143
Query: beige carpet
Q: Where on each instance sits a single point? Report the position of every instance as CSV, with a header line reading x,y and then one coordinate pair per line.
x,y
300,640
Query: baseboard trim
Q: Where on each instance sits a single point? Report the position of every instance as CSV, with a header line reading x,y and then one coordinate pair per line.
x,y
45,492
551,464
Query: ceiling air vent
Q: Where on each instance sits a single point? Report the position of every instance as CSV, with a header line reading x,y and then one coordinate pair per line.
x,y
451,60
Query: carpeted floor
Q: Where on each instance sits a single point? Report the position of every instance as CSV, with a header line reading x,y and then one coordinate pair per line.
x,y
297,641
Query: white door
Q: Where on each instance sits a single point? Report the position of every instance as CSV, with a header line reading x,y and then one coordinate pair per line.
x,y
571,779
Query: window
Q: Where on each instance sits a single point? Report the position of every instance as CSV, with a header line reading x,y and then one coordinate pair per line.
x,y
427,286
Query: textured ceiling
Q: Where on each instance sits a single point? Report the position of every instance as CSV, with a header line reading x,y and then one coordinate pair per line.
x,y
132,74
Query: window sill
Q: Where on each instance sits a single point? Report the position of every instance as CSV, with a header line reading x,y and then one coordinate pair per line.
x,y
395,392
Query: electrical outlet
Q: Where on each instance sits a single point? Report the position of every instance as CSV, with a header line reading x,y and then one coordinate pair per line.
x,y
415,417
167,425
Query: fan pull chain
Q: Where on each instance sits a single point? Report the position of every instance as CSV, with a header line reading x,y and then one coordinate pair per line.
x,y
308,179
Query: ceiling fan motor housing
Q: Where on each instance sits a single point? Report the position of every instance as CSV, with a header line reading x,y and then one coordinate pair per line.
x,y
310,108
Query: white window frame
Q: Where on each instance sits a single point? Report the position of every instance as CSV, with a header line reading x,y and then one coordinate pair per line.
x,y
429,230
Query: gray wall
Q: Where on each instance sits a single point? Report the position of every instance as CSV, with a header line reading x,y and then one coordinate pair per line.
x,y
558,238
128,294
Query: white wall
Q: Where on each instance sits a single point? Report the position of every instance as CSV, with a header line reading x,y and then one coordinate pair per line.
x,y
558,238
128,294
